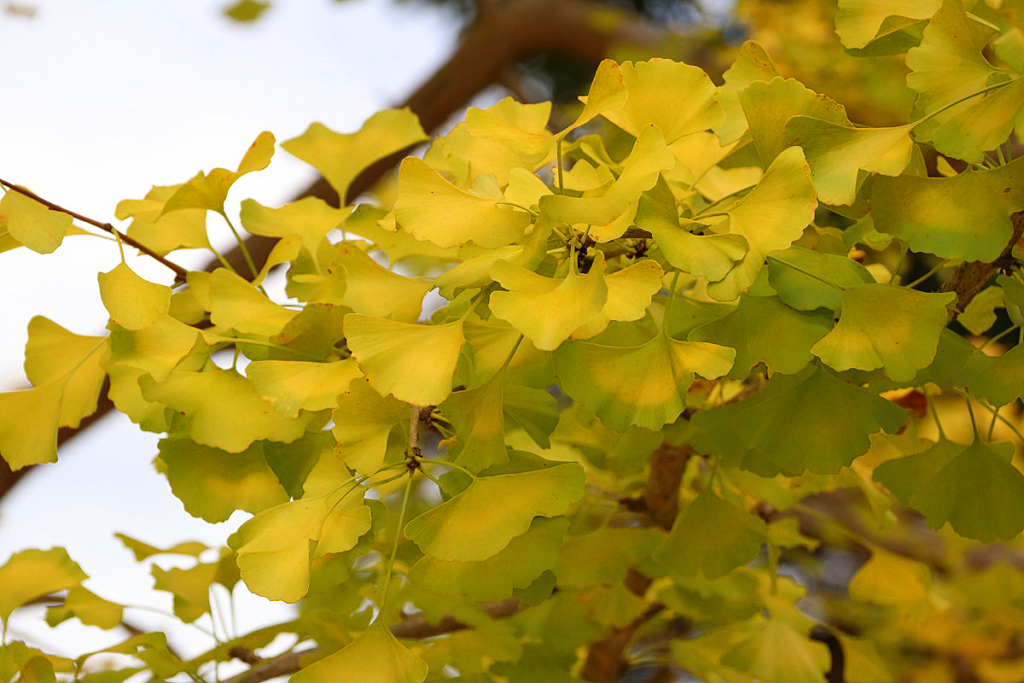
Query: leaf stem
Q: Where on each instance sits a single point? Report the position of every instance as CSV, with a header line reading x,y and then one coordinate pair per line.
x,y
449,463
935,416
807,273
179,272
995,413
993,340
990,88
899,264
511,354
558,156
398,536
970,411
927,275
241,244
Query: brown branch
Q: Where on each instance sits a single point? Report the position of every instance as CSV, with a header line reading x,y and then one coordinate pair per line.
x,y
179,272
971,277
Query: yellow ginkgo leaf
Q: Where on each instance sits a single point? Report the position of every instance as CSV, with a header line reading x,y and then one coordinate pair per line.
x,y
208,191
28,425
161,232
375,656
292,386
54,354
311,218
236,304
32,224
133,302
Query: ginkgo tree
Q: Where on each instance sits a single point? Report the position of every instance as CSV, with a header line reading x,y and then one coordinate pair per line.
x,y
676,361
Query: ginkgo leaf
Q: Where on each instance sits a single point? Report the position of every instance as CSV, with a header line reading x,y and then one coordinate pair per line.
x,y
979,492
491,342
752,65
274,548
762,329
904,476
859,22
56,355
607,92
236,304
133,303
964,217
604,555
397,245
375,656
156,349
885,326
769,106
615,605
309,218
362,422
291,386
89,608
533,410
515,566
208,191
678,98
163,233
772,216
414,363
315,330
520,127
980,313
711,256
602,206
790,426
357,281
31,223
803,292
779,654
571,301
142,550
888,579
212,483
32,573
629,294
431,208
999,380
341,157
477,417
642,385
837,153
470,527
191,587
223,409
711,536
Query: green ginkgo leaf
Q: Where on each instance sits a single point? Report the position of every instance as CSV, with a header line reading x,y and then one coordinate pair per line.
x,y
32,573
535,411
752,65
904,476
341,157
515,566
772,216
711,536
133,303
804,292
999,380
275,547
642,385
860,22
711,256
236,304
375,656
470,526
413,363
355,280
208,191
980,314
431,208
604,555
478,419
310,218
363,422
964,217
56,355
212,483
762,329
979,492
677,98
222,408
602,206
291,386
885,326
837,153
790,426
571,301
32,224
769,106
162,232
779,654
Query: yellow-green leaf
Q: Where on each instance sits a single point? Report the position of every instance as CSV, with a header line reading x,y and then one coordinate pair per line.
x,y
858,22
163,233
208,191
363,422
310,218
236,304
133,302
32,224
291,386
888,579
54,354
32,573
375,656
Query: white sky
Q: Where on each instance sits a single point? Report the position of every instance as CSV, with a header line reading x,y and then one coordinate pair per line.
x,y
103,99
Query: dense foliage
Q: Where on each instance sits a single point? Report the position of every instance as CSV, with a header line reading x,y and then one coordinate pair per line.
x,y
672,365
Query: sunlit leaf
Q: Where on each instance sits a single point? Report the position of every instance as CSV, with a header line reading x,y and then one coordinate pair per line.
x,y
32,573
58,356
133,303
779,654
859,22
888,579
375,656
752,65
362,423
32,224
237,305
357,281
208,191
162,232
88,608
292,386
309,218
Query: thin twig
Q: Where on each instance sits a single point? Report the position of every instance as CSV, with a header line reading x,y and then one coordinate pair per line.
x,y
179,272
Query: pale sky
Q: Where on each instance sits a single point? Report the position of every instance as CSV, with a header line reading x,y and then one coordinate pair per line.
x,y
102,100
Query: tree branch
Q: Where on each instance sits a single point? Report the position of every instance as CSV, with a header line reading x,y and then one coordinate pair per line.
x,y
179,272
